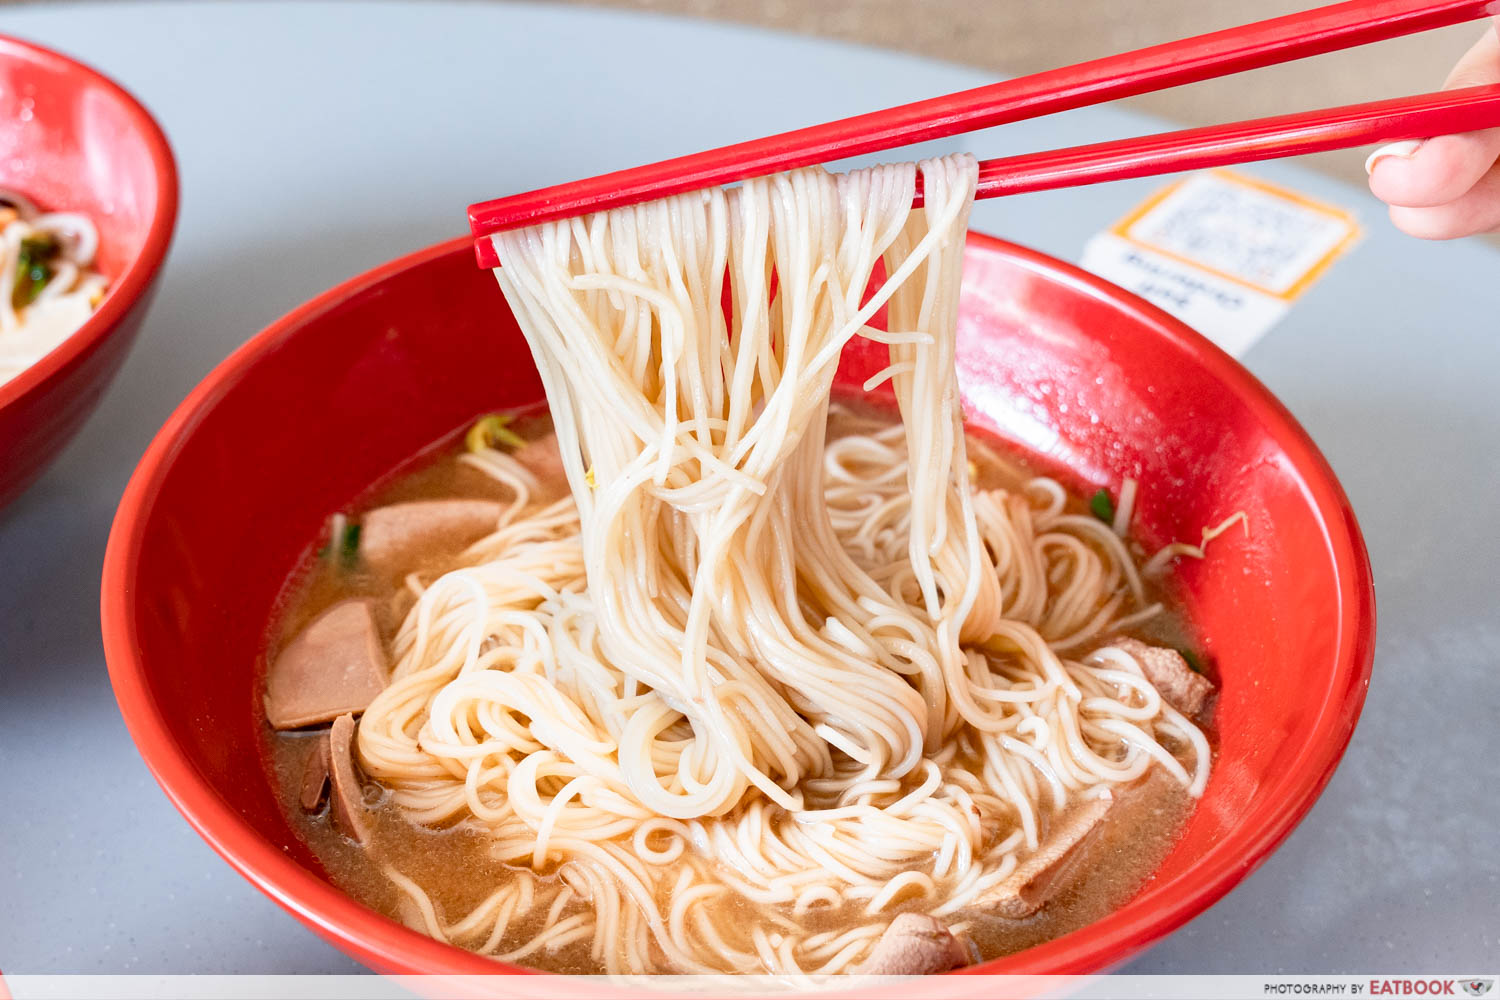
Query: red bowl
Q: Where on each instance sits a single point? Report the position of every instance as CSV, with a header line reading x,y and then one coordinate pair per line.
x,y
76,141
1091,380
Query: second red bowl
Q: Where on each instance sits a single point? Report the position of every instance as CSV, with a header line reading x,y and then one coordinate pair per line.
x,y
76,141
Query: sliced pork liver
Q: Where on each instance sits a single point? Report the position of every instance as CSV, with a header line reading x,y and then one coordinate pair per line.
x,y
315,774
1045,873
915,945
396,538
346,791
336,665
1184,689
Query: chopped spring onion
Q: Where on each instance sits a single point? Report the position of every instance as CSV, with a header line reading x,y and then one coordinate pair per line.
x,y
349,548
1102,507
343,538
1191,658
493,431
33,268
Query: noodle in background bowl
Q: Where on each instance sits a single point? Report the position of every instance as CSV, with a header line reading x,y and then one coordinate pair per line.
x,y
74,141
1092,382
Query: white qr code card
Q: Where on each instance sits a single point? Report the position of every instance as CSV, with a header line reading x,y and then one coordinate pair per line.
x,y
1225,253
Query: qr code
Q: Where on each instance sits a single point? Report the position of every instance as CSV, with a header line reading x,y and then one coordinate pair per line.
x,y
1245,232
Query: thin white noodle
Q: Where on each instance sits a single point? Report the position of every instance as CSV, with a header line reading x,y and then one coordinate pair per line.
x,y
1125,510
1157,564
745,662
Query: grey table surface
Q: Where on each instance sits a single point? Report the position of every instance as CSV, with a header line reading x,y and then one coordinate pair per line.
x,y
317,140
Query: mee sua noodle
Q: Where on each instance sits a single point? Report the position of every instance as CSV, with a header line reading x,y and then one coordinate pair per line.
x,y
749,668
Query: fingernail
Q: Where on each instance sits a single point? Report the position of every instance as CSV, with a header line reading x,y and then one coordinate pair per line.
x,y
1404,149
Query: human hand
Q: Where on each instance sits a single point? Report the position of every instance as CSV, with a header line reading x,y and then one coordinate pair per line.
x,y
1447,186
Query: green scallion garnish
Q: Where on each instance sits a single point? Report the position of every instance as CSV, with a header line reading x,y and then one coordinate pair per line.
x,y
1103,506
1192,659
343,541
349,545
33,268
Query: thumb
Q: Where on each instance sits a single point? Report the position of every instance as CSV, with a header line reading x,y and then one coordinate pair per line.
x,y
1442,169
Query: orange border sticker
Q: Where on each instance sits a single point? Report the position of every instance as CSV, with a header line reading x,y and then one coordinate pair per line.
x,y
1243,230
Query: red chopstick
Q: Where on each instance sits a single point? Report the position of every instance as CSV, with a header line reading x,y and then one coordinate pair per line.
x,y
1243,142
1234,50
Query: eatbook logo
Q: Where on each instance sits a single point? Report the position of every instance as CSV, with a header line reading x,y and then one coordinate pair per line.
x,y
1476,987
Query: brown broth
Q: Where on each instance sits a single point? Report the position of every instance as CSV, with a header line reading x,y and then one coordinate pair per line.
x,y
1139,832
453,865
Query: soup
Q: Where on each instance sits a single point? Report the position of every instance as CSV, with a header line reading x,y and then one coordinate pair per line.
x,y
715,675
451,862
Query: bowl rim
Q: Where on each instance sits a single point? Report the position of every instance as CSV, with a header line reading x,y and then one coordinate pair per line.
x,y
387,946
124,291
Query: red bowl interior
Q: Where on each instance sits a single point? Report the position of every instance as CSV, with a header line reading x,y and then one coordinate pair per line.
x,y
1095,383
76,141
